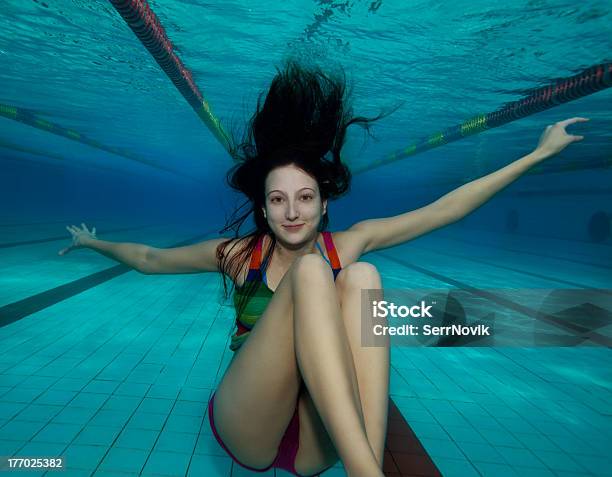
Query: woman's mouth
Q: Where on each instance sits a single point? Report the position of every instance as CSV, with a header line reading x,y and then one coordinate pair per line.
x,y
293,227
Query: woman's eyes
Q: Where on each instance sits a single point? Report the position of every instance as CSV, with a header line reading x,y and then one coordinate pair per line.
x,y
305,196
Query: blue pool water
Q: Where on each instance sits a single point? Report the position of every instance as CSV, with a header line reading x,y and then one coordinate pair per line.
x,y
112,368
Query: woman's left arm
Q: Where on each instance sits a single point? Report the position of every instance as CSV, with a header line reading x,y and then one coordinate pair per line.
x,y
375,234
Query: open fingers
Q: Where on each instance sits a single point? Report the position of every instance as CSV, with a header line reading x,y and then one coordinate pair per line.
x,y
569,121
75,230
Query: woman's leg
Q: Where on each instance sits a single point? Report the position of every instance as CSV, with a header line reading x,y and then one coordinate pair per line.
x,y
372,366
371,363
299,335
326,364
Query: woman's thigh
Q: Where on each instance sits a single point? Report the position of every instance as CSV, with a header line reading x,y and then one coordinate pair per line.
x,y
257,396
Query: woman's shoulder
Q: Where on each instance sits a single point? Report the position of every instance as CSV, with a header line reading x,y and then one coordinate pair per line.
x,y
347,246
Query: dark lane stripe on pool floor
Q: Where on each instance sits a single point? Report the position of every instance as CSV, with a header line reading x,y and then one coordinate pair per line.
x,y
404,455
22,308
575,329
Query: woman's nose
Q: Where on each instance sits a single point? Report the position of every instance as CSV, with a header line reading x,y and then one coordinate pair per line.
x,y
292,211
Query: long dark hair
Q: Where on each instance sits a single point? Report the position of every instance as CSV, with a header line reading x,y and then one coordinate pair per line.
x,y
302,121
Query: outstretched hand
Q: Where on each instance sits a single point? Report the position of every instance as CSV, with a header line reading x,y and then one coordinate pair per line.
x,y
79,237
554,138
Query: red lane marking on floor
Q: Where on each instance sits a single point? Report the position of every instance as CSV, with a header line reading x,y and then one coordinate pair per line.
x,y
405,456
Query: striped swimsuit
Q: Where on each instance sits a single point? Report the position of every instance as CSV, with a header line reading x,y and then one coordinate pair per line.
x,y
253,309
262,294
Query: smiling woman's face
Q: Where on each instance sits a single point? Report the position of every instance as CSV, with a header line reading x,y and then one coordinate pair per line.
x,y
293,199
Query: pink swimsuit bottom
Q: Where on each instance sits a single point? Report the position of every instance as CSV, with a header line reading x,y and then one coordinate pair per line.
x,y
287,450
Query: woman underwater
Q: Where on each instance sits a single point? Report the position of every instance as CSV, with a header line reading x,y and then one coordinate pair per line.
x,y
301,392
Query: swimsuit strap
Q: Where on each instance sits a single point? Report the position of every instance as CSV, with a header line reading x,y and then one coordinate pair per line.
x,y
322,254
255,261
331,251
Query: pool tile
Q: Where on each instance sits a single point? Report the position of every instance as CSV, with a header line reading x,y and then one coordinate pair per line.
x,y
167,463
84,456
97,435
132,438
124,460
54,432
456,468
210,465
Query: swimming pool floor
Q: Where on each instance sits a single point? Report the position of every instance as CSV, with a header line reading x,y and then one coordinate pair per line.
x,y
115,373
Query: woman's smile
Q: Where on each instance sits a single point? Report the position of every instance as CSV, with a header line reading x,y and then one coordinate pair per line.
x,y
293,227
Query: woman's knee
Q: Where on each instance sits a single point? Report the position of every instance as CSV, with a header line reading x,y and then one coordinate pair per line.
x,y
310,268
359,275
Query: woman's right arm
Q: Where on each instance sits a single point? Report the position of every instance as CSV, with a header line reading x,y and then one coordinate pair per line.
x,y
199,257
